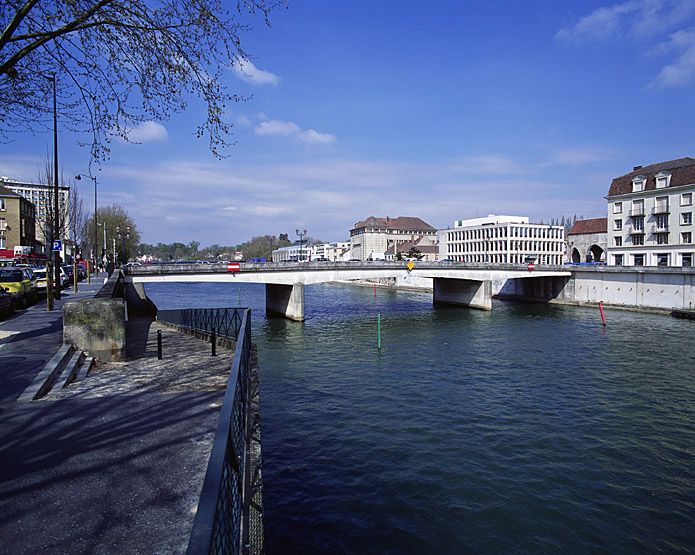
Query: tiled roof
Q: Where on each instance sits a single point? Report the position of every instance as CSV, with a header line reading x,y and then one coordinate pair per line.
x,y
594,225
404,223
682,173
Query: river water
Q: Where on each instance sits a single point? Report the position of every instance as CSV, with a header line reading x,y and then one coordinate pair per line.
x,y
528,429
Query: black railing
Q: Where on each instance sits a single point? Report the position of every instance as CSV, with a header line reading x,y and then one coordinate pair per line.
x,y
225,322
229,518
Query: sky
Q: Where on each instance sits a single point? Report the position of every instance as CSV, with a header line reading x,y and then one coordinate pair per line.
x,y
440,110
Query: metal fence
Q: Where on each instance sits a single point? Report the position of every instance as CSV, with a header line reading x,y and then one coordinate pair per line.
x,y
225,322
230,510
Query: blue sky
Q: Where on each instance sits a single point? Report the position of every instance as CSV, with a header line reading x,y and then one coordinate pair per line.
x,y
442,110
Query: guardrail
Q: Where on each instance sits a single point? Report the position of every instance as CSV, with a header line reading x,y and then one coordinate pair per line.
x,y
229,518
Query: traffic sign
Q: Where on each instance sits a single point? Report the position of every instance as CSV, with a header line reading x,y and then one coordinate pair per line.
x,y
233,267
57,245
411,265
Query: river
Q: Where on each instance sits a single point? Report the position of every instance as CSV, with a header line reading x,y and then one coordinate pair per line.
x,y
528,429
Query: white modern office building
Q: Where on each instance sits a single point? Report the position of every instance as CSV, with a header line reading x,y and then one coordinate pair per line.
x,y
502,240
650,215
293,253
333,252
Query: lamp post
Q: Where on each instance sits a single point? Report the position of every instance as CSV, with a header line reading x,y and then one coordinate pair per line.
x,y
301,234
96,228
123,237
56,215
104,256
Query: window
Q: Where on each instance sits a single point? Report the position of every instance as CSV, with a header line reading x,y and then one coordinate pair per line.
x,y
618,208
2,204
3,243
618,259
638,239
618,241
661,206
3,224
686,218
687,260
638,184
637,208
662,180
662,238
638,224
686,199
662,221
662,259
638,259
686,237
618,225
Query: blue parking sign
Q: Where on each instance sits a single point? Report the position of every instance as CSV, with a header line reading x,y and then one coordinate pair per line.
x,y
57,245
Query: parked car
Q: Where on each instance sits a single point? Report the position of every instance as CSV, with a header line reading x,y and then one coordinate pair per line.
x,y
81,272
6,303
19,282
70,271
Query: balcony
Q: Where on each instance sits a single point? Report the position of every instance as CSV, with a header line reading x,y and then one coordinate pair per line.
x,y
632,230
637,212
659,229
661,209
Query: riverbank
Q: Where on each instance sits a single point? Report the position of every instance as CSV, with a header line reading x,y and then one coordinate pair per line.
x,y
115,462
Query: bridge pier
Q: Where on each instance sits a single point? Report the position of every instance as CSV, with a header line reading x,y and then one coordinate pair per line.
x,y
465,292
285,300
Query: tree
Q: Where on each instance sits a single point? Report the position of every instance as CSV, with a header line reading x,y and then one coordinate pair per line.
x,y
415,253
119,63
114,219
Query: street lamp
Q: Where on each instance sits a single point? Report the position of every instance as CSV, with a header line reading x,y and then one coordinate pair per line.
x,y
301,234
96,229
123,237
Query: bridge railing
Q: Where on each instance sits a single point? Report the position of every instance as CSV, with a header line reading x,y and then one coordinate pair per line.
x,y
225,322
229,518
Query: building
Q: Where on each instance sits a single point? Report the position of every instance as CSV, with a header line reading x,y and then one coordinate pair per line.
x,y
502,240
371,238
650,215
333,252
587,240
293,253
427,246
17,226
41,196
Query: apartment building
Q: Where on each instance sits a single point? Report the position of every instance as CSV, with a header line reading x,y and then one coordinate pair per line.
x,y
650,215
370,239
41,195
502,240
17,224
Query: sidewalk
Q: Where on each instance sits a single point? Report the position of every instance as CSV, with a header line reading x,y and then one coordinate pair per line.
x,y
30,337
114,463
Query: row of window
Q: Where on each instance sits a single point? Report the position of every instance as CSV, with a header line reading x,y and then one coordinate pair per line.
x,y
540,232
661,204
502,246
684,260
518,258
661,222
660,238
662,180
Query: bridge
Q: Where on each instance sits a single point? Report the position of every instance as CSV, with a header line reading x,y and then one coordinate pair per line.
x,y
453,283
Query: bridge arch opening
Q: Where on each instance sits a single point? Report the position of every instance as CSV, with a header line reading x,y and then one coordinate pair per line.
x,y
595,254
576,257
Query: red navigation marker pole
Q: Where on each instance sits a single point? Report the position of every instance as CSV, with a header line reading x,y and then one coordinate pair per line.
x,y
603,316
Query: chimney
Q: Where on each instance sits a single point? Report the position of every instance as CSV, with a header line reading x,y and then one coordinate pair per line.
x,y
636,168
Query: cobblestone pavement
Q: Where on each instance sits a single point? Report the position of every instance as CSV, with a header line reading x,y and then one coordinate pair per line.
x,y
186,365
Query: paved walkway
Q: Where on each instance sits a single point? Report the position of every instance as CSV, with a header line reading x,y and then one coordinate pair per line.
x,y
113,464
30,337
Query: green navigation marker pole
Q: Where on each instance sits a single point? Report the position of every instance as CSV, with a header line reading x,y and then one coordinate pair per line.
x,y
378,331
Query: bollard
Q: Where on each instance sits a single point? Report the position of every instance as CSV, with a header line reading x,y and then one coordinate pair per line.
x,y
213,341
159,344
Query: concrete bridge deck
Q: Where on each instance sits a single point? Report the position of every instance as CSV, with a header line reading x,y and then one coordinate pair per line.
x,y
453,282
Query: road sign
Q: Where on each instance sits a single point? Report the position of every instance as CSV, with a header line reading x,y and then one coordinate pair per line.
x,y
233,267
57,245
411,265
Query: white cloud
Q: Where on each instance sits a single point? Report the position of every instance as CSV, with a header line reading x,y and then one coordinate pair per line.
x,y
247,71
290,129
682,70
148,132
579,156
635,18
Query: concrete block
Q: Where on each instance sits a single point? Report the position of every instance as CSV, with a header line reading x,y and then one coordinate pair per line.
x,y
96,326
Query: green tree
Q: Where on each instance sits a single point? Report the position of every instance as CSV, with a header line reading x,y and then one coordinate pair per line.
x,y
121,62
115,219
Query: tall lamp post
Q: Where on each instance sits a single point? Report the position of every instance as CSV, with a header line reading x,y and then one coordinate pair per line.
x,y
96,225
123,237
301,234
56,217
